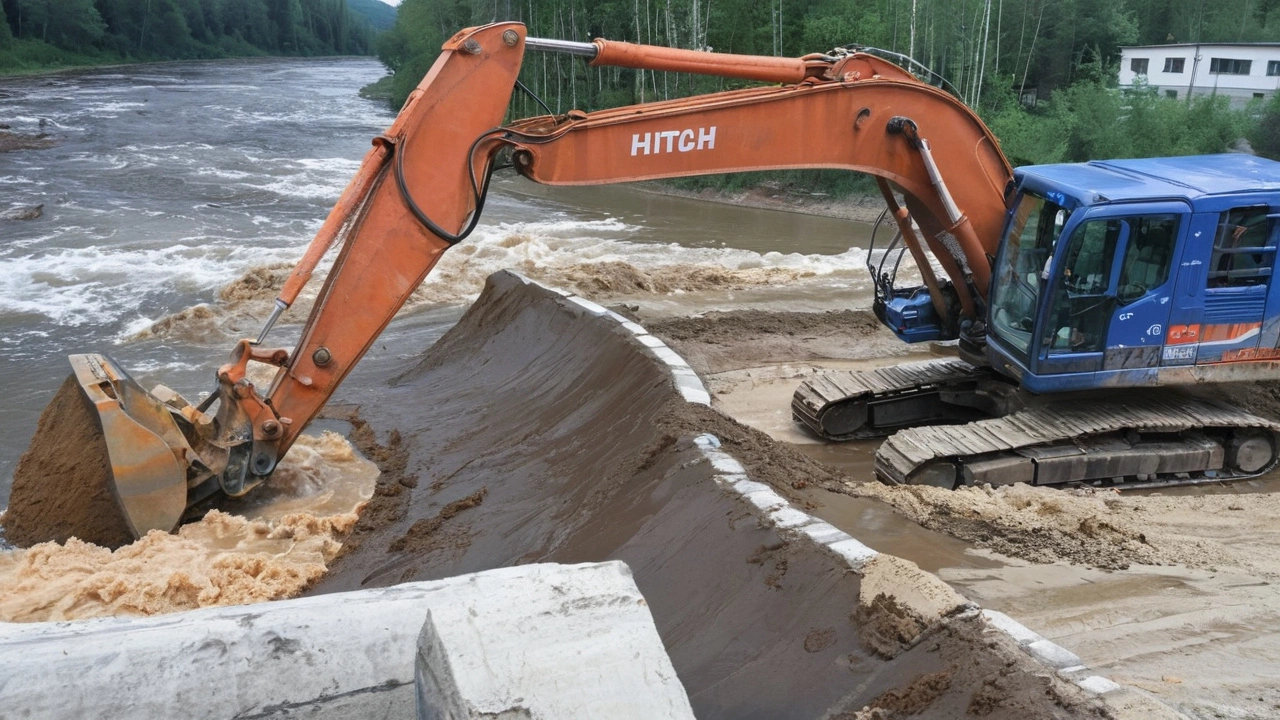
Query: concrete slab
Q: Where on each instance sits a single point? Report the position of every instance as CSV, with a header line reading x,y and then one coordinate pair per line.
x,y
581,646
344,655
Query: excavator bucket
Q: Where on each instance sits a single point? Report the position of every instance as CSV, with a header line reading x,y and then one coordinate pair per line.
x,y
108,463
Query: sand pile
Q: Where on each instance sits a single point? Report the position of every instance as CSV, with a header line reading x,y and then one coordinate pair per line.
x,y
294,527
537,431
62,484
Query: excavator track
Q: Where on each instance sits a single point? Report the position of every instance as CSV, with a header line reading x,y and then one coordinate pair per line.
x,y
863,404
1132,443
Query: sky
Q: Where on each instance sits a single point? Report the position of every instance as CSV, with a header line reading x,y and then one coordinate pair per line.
x,y
391,2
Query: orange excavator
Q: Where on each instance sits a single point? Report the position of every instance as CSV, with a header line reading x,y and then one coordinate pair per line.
x,y
422,187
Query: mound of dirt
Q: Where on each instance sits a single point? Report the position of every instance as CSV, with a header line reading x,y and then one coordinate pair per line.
x,y
536,431
62,485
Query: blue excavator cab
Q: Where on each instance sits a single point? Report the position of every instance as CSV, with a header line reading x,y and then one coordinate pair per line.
x,y
1138,273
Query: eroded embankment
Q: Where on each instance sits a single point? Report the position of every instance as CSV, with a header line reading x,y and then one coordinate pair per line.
x,y
537,430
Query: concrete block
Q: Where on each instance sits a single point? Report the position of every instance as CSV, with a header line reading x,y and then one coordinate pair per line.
x,y
583,646
1014,629
587,305
1053,654
1098,684
825,533
765,500
853,552
725,463
669,356
690,386
707,441
789,517
345,655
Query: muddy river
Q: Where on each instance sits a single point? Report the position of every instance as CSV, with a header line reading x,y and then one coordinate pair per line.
x,y
168,182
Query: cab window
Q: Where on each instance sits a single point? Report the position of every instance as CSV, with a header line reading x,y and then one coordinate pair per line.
x,y
1148,257
1081,309
1243,251
1037,224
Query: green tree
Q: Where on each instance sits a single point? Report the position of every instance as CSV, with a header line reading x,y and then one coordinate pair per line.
x,y
6,35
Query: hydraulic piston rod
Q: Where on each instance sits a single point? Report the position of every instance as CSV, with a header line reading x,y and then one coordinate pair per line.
x,y
652,57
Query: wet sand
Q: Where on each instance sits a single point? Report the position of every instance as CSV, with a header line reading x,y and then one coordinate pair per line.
x,y
1169,591
505,444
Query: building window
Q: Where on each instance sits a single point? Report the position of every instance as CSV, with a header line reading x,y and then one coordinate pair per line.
x,y
1171,94
1228,66
1258,96
1139,65
1173,65
1273,67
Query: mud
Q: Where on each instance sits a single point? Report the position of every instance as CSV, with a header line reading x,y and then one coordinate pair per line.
x,y
62,484
770,196
280,542
536,431
717,342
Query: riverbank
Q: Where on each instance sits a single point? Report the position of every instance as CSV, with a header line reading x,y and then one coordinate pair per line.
x,y
82,63
772,196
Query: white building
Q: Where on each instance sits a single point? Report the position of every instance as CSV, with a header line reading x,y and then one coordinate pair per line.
x,y
1241,71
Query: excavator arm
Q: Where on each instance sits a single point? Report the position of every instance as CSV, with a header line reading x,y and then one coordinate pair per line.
x,y
421,189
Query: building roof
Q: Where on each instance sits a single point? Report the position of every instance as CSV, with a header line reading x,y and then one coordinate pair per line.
x,y
1203,45
1186,177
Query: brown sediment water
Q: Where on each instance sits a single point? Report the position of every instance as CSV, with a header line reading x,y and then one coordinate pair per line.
x,y
279,541
539,431
461,273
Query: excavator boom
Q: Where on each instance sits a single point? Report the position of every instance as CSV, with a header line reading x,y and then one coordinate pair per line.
x,y
422,187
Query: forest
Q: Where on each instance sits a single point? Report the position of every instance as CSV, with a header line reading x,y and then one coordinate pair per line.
x,y
42,34
1041,73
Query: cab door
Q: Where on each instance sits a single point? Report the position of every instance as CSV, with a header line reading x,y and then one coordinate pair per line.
x,y
1144,293
1081,297
1110,299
